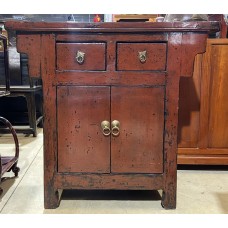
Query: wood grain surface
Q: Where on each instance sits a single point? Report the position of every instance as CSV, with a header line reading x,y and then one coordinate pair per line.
x,y
94,58
139,146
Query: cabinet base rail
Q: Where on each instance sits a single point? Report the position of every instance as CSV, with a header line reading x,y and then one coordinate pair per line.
x,y
80,181
109,181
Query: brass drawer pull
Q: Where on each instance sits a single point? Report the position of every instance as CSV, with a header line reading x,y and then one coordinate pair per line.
x,y
142,56
115,127
105,125
80,57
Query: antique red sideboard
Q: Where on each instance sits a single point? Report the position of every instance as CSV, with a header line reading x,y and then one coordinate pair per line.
x,y
111,95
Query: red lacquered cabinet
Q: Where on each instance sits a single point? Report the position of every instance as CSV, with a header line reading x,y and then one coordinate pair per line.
x,y
111,95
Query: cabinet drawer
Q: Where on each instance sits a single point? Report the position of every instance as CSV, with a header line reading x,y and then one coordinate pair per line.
x,y
81,56
141,56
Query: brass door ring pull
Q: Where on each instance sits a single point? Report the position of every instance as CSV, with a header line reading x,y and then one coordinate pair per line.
x,y
80,57
105,125
115,128
142,56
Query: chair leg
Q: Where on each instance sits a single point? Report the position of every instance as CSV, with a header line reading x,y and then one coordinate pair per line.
x,y
31,105
15,170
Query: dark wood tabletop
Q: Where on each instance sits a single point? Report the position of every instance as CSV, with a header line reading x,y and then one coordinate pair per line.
x,y
108,26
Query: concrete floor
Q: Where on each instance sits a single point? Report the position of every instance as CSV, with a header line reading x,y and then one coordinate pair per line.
x,y
198,191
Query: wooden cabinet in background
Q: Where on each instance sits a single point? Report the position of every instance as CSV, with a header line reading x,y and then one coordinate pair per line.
x,y
203,108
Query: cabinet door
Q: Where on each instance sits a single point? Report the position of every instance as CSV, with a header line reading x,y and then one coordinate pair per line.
x,y
82,147
139,146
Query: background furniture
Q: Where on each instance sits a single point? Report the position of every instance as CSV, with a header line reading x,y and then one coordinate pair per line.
x,y
28,110
5,82
203,112
203,119
91,140
8,163
134,17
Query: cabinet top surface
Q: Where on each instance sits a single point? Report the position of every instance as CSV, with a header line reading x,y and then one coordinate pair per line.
x,y
192,26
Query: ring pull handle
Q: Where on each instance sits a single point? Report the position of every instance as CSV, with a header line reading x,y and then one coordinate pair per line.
x,y
115,128
142,56
80,57
105,125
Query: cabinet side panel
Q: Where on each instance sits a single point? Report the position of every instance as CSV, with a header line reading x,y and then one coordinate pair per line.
x,y
218,114
189,107
139,146
82,147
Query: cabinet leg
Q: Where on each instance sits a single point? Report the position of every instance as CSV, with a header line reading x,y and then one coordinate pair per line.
x,y
31,105
169,199
51,199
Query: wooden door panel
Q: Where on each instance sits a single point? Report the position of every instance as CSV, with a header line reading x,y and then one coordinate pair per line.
x,y
139,146
218,113
82,147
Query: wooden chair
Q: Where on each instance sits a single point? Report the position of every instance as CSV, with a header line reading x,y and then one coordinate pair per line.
x,y
28,91
8,163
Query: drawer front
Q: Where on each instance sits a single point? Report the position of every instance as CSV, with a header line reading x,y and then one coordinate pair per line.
x,y
141,56
81,56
